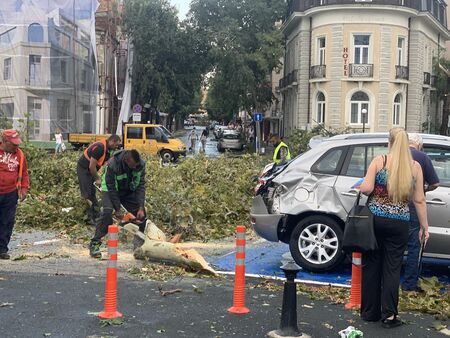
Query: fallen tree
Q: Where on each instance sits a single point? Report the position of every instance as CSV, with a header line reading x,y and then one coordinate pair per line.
x,y
202,198
156,248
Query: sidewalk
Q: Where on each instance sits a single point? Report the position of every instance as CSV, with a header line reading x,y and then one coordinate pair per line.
x,y
62,305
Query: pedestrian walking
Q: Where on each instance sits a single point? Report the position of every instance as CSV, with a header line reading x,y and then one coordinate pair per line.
x,y
93,158
193,137
281,153
204,139
392,182
431,182
123,183
14,183
59,146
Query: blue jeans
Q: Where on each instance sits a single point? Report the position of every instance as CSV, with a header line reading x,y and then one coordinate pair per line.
x,y
8,206
411,274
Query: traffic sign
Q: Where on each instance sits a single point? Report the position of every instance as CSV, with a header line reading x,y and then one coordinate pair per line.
x,y
137,108
257,117
137,117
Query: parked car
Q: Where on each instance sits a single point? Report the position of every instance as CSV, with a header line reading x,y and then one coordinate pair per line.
x,y
230,140
305,202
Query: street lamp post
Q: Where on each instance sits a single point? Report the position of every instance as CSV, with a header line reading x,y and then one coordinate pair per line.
x,y
364,114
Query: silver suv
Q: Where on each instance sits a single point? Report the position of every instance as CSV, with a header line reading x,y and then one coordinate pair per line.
x,y
305,202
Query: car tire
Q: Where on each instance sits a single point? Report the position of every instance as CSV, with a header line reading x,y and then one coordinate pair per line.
x,y
167,155
316,243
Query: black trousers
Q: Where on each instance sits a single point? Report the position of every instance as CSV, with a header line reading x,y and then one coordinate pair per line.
x,y
8,206
87,190
128,200
381,269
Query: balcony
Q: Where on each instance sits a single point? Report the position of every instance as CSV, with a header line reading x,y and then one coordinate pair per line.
x,y
426,78
361,70
436,8
289,80
317,72
401,72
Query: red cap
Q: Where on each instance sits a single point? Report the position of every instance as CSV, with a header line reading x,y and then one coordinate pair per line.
x,y
12,136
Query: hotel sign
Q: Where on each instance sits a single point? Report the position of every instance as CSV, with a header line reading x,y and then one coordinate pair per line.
x,y
345,57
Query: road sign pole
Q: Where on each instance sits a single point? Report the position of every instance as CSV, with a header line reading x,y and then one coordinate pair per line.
x,y
258,137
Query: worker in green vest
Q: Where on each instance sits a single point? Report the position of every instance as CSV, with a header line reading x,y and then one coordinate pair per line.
x,y
281,153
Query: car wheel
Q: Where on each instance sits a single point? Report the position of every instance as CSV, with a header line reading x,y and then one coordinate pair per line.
x,y
316,243
166,155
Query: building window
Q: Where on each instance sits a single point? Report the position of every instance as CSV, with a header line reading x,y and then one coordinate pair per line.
x,y
320,108
7,113
7,69
62,107
359,101
321,49
396,113
34,111
35,33
401,51
63,71
361,43
35,67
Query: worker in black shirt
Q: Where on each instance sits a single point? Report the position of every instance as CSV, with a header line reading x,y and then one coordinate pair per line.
x,y
93,158
123,189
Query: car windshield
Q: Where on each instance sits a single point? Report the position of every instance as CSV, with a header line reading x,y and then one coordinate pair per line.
x,y
165,132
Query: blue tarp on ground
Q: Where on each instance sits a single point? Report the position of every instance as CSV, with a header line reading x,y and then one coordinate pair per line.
x,y
265,259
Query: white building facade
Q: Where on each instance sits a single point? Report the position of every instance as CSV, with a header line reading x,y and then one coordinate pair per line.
x,y
362,65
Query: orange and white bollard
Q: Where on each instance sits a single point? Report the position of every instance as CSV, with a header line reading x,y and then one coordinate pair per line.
x,y
355,291
111,276
239,276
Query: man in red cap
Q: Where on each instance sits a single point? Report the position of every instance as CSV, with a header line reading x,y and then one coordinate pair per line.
x,y
14,182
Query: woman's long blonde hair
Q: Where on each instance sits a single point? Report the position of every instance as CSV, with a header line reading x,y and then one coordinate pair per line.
x,y
400,171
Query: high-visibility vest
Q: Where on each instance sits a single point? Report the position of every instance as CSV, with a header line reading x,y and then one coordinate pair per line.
x,y
20,176
101,160
277,151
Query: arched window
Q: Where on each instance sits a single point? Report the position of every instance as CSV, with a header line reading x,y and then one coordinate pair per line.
x,y
359,108
35,33
397,111
320,108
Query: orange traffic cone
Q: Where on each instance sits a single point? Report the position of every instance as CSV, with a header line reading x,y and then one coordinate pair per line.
x,y
111,276
239,276
355,291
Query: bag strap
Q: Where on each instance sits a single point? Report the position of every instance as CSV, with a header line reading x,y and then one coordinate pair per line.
x,y
384,161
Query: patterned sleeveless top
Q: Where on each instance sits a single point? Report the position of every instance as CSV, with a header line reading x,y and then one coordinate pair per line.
x,y
379,202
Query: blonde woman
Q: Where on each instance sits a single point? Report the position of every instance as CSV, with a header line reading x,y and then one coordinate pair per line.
x,y
392,181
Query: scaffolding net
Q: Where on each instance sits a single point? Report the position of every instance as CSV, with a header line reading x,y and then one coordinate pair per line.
x,y
48,76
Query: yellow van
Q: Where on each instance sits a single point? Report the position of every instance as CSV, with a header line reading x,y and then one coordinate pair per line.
x,y
153,139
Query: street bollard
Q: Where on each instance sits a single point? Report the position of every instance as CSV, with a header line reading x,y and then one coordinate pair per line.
x,y
355,291
239,275
110,311
288,323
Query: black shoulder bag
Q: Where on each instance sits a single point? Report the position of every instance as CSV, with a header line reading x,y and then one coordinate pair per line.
x,y
359,235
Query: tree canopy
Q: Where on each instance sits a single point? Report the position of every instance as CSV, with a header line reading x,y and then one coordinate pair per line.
x,y
169,56
245,45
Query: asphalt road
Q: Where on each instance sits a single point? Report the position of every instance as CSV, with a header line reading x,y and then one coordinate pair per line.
x,y
48,305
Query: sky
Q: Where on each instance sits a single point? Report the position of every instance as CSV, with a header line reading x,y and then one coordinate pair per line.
x,y
183,7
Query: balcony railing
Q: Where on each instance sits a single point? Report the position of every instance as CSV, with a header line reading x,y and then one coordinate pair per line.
x,y
436,8
361,70
402,72
426,78
317,72
289,80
